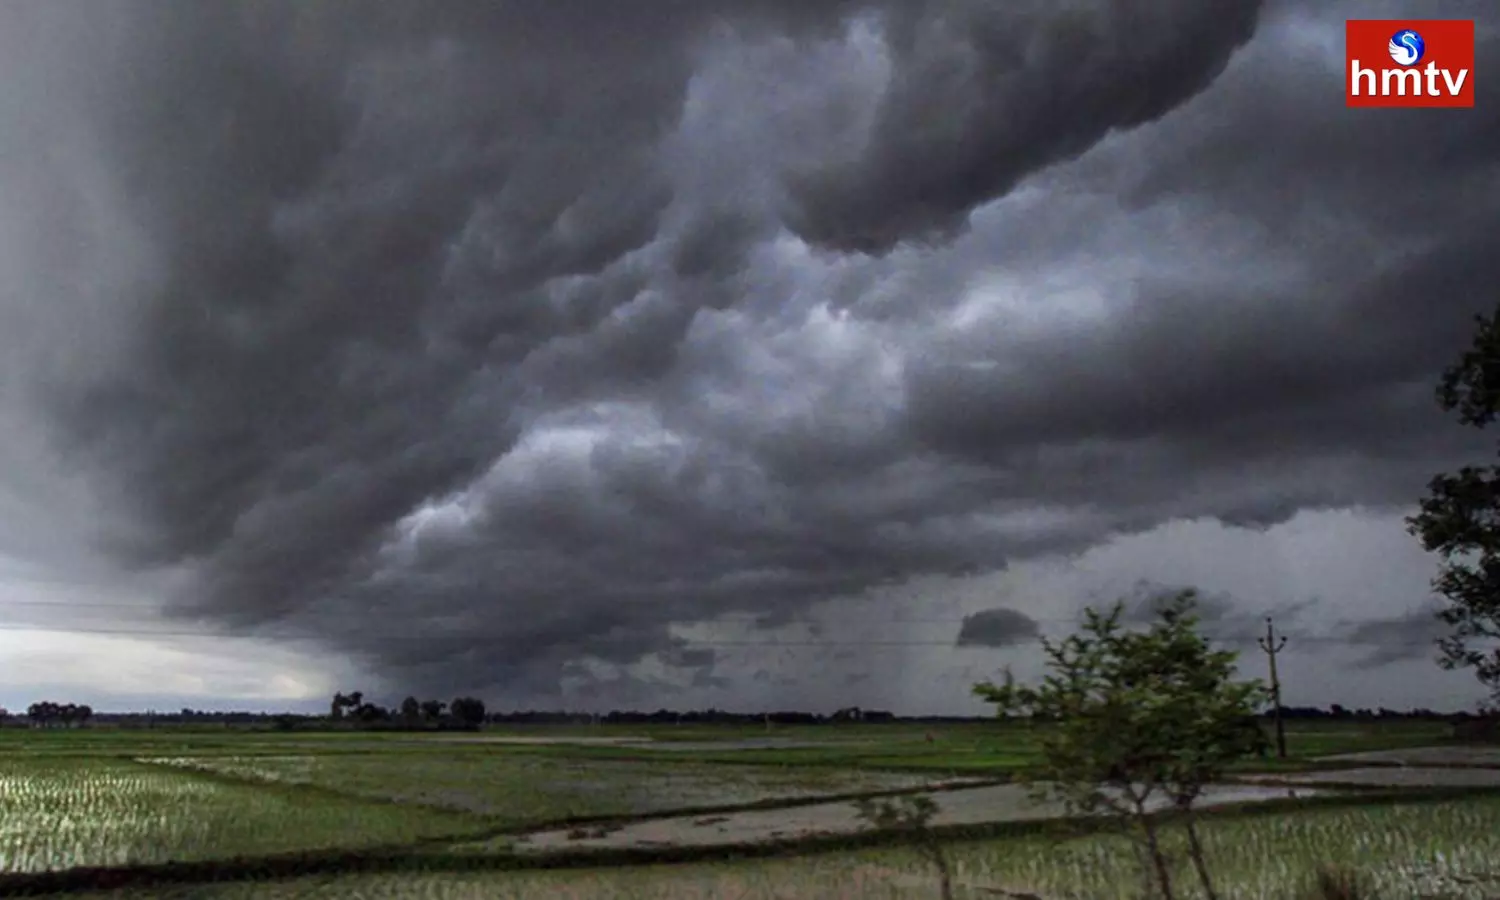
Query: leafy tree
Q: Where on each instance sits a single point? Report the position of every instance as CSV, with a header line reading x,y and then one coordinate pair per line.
x,y
912,814
468,710
1460,518
369,713
1135,721
411,711
47,712
354,702
432,710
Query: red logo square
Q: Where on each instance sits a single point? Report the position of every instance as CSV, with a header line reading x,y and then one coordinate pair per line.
x,y
1409,62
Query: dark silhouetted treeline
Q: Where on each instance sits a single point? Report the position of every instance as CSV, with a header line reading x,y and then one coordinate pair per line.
x,y
354,711
51,714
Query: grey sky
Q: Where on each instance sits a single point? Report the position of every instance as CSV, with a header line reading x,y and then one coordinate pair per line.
x,y
722,353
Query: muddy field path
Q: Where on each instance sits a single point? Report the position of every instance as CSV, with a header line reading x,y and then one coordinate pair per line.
x,y
1449,756
1412,768
964,806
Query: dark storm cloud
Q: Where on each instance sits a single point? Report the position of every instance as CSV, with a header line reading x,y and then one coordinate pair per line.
x,y
986,94
1412,636
998,627
1389,216
1225,619
476,346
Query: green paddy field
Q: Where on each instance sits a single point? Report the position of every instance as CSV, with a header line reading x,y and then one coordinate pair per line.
x,y
174,812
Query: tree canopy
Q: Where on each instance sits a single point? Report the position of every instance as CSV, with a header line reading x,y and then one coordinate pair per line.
x,y
1135,721
1459,519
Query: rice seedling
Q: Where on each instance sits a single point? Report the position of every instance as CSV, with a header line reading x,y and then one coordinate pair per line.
x,y
1448,850
1401,849
60,814
516,789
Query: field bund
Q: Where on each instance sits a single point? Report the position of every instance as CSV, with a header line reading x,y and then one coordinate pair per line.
x,y
965,806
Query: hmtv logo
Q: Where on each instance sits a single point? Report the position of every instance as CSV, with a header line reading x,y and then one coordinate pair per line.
x,y
1409,62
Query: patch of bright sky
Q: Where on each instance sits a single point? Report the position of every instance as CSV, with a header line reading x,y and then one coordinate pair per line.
x,y
94,668
1025,307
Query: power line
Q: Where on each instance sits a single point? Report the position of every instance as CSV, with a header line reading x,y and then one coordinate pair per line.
x,y
314,617
726,618
406,634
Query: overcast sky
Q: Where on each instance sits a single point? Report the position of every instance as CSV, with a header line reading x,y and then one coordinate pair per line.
x,y
751,354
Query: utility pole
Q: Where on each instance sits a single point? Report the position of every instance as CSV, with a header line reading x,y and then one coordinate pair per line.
x,y
1273,645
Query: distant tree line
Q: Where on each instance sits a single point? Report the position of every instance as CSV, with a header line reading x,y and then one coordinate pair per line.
x,y
354,709
1337,711
461,712
414,714
872,716
715,717
49,714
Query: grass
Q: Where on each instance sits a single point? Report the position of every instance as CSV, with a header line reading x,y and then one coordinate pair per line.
x,y
64,813
393,806
1446,849
518,789
982,746
1403,850
982,749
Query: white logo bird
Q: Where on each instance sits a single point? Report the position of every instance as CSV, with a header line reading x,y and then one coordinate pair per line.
x,y
1404,53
